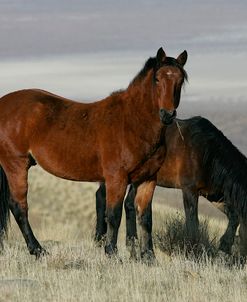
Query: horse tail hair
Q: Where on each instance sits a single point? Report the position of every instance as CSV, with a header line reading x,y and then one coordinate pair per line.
x,y
4,203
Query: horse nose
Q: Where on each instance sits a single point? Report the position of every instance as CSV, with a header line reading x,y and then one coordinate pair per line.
x,y
167,116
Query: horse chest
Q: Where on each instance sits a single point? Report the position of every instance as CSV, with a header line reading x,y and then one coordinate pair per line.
x,y
149,167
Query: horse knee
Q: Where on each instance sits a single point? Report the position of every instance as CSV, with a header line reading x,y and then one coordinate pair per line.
x,y
143,202
113,215
145,219
144,196
19,210
115,191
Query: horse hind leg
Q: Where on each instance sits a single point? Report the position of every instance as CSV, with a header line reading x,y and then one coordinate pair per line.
x,y
17,172
190,199
101,226
227,240
143,202
130,214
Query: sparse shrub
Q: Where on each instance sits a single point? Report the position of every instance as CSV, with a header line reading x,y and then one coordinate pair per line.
x,y
173,239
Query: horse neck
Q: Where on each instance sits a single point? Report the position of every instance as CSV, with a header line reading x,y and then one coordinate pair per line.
x,y
141,97
140,103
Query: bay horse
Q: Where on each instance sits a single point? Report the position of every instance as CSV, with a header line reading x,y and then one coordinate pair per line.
x,y
199,160
99,141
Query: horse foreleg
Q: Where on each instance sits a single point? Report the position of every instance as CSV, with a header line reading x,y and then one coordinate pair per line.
x,y
115,191
130,212
227,240
190,199
101,226
143,201
17,178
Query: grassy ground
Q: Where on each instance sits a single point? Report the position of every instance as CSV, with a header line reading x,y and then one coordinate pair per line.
x,y
62,214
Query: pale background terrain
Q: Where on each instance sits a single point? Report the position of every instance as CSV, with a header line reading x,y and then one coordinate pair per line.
x,y
85,50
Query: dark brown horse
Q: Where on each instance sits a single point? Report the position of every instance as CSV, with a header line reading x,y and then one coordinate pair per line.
x,y
89,142
200,160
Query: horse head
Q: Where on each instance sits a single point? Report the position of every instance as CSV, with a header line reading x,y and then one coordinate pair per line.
x,y
168,77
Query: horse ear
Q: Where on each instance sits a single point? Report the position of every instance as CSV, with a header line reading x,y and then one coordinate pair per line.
x,y
161,55
182,58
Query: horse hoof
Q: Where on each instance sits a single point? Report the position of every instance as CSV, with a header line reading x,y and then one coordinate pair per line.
x,y
110,250
241,261
99,241
112,254
148,258
116,259
133,256
132,247
225,247
39,253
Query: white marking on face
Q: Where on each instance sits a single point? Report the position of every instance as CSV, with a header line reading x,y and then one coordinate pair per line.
x,y
169,73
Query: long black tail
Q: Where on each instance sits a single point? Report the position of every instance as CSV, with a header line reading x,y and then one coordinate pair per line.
x,y
4,203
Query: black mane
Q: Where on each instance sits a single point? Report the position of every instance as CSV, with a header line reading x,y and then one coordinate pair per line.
x,y
225,164
151,63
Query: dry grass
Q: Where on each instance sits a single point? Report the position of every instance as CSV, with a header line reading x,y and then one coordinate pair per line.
x,y
62,214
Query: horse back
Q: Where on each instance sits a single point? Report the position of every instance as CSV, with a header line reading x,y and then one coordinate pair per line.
x,y
75,140
57,132
36,113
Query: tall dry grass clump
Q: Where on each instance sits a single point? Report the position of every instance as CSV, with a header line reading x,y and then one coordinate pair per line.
x,y
173,238
62,214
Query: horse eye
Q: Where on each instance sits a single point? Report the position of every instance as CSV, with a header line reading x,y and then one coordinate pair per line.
x,y
156,80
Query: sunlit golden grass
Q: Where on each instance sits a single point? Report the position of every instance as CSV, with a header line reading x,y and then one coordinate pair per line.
x,y
62,214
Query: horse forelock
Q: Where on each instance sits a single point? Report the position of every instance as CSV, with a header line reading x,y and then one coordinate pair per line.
x,y
169,61
151,64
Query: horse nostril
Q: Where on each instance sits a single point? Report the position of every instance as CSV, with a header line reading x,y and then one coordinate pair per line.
x,y
167,116
171,113
162,113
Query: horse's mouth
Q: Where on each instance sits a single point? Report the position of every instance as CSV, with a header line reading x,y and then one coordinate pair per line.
x,y
167,117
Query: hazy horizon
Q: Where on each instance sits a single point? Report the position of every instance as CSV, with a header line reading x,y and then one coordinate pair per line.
x,y
87,49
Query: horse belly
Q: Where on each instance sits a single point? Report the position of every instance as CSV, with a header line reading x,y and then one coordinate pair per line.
x,y
72,166
169,175
179,173
168,180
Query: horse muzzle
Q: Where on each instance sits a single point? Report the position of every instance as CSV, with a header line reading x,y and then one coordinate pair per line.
x,y
167,117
